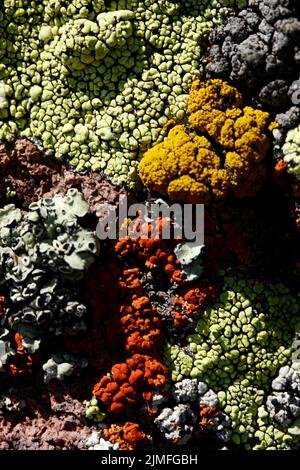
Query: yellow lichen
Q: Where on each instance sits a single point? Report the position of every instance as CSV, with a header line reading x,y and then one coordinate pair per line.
x,y
220,150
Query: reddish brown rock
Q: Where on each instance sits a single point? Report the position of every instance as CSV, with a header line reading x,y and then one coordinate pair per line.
x,y
25,172
27,175
47,419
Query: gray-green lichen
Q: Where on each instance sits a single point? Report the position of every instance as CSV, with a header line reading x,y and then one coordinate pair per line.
x,y
239,346
61,365
43,252
95,81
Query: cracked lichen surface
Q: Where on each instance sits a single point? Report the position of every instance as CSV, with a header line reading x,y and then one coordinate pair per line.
x,y
238,348
96,81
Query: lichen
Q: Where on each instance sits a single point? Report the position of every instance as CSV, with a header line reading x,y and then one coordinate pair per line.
x,y
291,152
258,49
220,151
239,346
43,252
95,82
61,365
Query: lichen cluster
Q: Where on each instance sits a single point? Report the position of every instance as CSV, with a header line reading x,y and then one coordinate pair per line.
x,y
291,152
258,50
142,339
96,81
221,149
140,384
239,347
43,254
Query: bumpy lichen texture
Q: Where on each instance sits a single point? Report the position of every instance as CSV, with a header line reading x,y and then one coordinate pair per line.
x,y
220,151
95,81
42,253
179,423
116,437
291,152
258,49
239,346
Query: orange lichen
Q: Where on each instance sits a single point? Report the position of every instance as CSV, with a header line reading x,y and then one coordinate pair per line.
x,y
141,325
169,124
149,251
21,362
191,301
220,151
134,381
139,322
130,382
130,280
206,414
281,167
128,437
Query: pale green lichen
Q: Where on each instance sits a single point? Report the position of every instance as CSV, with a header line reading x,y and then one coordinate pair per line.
x,y
239,345
93,411
180,362
251,424
291,152
95,81
61,365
